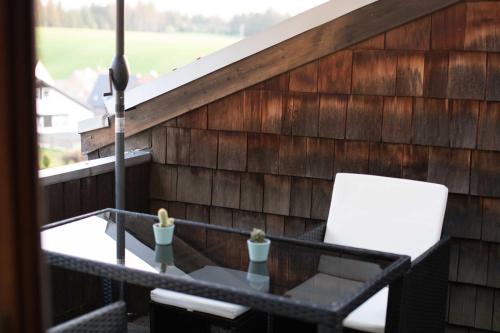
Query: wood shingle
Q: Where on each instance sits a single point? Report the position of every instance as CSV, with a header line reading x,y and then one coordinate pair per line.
x,y
374,72
320,158
277,194
491,220
163,182
494,266
248,220
335,72
462,304
252,192
485,178
436,74
263,153
232,153
221,216
415,162
304,78
411,36
473,262
482,31
194,185
178,141
448,28
321,198
275,225
351,156
386,159
484,308
159,144
193,119
225,114
304,111
364,118
450,167
464,116
252,112
226,189
496,312
493,77
293,149
463,217
430,125
300,197
467,75
489,126
294,226
396,124
279,82
272,111
203,149
374,43
332,116
410,74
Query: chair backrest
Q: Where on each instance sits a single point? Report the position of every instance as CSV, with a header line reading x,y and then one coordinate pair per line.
x,y
386,214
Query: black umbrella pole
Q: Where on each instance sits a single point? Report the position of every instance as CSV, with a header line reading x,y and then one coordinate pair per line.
x,y
120,175
120,74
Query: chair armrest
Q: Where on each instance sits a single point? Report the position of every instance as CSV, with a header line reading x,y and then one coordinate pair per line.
x,y
316,234
425,288
111,318
443,246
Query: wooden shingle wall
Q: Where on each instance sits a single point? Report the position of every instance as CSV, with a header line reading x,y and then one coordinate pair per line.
x,y
420,102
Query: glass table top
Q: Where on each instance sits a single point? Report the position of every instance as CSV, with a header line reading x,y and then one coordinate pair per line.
x,y
317,273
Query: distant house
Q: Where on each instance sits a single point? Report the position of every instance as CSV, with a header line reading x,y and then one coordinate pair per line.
x,y
96,99
57,114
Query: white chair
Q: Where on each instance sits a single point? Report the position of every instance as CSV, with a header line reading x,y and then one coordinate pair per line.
x,y
397,216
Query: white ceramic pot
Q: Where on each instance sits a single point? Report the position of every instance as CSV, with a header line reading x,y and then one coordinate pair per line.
x,y
258,251
163,235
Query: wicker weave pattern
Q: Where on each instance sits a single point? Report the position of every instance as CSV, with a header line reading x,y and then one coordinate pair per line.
x,y
417,303
328,318
109,319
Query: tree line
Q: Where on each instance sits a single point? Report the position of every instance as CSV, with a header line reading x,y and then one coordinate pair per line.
x,y
145,17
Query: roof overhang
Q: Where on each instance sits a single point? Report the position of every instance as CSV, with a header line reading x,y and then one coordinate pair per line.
x,y
247,47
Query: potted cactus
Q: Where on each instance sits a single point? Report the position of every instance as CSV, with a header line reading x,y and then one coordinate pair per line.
x,y
258,245
164,230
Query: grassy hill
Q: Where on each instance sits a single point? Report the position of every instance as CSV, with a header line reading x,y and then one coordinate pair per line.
x,y
63,50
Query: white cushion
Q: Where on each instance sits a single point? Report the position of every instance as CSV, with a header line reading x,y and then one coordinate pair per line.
x,y
369,316
386,214
196,303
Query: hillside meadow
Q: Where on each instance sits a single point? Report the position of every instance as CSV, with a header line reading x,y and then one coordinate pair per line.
x,y
62,50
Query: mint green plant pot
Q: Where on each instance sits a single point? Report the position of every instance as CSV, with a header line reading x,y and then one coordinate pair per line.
x,y
164,254
258,252
258,276
163,235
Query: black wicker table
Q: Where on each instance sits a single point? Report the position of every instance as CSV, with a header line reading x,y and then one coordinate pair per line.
x,y
211,261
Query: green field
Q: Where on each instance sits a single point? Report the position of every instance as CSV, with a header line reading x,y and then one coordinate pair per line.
x,y
62,50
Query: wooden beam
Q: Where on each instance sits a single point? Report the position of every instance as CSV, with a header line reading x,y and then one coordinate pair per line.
x,y
20,277
333,36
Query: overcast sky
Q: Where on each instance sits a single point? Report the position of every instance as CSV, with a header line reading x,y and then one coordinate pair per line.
x,y
223,8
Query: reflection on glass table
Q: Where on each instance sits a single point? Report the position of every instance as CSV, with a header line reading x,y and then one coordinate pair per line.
x,y
321,279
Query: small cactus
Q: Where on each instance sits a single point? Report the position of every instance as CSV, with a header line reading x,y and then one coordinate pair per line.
x,y
257,236
165,221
